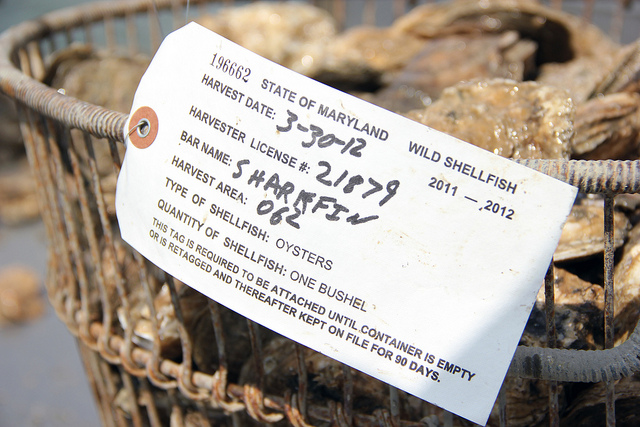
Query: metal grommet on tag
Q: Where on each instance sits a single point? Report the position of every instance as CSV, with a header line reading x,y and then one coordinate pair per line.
x,y
145,127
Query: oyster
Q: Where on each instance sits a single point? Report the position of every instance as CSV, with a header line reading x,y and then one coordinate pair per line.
x,y
579,325
197,322
588,409
626,289
447,61
21,297
588,77
326,378
578,76
294,35
102,78
517,120
583,233
358,58
193,307
527,403
607,127
560,36
624,72
380,49
579,315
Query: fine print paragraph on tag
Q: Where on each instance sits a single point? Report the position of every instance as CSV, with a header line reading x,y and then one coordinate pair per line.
x,y
396,249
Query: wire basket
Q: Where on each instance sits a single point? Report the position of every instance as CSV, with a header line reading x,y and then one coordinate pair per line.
x,y
75,151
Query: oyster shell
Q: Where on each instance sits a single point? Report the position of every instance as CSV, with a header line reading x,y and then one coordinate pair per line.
x,y
607,127
560,36
521,120
192,304
326,378
21,297
100,77
583,233
197,322
294,35
579,308
446,61
588,409
626,290
624,72
358,58
579,325
578,76
527,403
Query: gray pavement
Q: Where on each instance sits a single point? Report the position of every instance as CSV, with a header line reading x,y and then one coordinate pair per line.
x,y
42,381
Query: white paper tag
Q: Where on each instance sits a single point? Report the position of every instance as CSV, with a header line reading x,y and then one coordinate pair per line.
x,y
396,249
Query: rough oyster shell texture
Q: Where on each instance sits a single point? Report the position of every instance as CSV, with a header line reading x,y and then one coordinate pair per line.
x,y
583,233
292,34
518,120
444,62
21,295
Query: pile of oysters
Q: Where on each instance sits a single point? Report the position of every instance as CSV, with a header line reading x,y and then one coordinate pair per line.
x,y
515,77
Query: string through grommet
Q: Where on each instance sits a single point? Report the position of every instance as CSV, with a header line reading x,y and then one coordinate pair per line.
x,y
145,130
143,127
